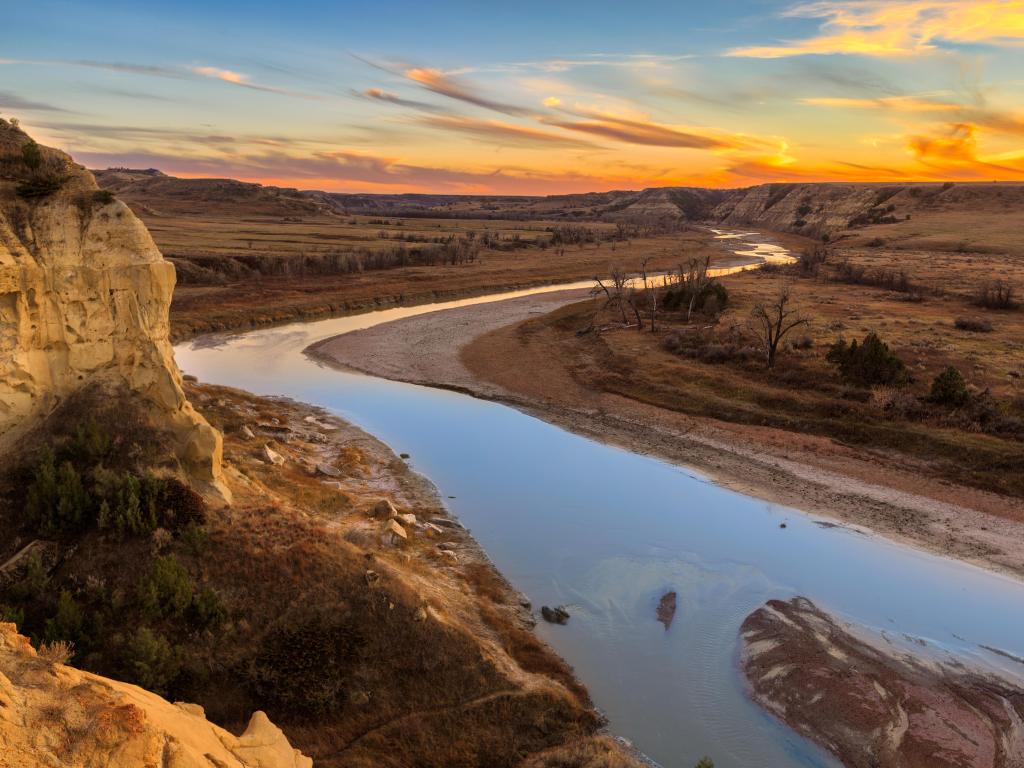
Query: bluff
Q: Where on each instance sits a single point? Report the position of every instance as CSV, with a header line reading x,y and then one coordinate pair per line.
x,y
51,714
84,301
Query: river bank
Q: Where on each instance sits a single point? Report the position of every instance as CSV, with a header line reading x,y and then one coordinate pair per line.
x,y
478,350
456,642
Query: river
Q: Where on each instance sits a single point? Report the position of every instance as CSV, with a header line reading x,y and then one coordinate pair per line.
x,y
607,532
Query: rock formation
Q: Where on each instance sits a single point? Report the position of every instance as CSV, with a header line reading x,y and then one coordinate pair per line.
x,y
875,706
84,299
51,715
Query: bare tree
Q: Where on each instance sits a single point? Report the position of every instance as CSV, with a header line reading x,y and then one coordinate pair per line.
x,y
694,279
772,321
651,293
617,295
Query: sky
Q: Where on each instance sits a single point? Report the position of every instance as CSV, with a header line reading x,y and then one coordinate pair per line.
x,y
524,97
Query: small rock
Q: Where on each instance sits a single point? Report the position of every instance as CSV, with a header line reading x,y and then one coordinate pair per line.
x,y
189,377
385,509
403,455
335,484
432,530
407,519
782,525
420,614
446,545
327,469
524,601
394,533
554,615
246,432
445,522
372,577
450,556
272,456
359,698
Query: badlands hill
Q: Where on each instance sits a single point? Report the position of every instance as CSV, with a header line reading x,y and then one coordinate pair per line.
x,y
813,210
154,193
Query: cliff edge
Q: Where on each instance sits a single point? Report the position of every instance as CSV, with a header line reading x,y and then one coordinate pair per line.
x,y
84,300
51,714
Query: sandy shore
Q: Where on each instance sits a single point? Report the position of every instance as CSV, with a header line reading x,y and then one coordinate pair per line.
x,y
477,350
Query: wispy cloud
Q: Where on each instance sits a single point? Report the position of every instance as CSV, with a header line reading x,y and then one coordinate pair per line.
x,y
244,81
494,131
376,94
436,81
349,171
634,130
10,100
898,27
888,103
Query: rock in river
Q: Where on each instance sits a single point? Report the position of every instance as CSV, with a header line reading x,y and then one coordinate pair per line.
x,y
667,609
554,615
874,705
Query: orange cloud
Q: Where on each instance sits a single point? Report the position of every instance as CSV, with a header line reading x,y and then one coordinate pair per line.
x,y
890,103
648,133
239,79
436,81
898,27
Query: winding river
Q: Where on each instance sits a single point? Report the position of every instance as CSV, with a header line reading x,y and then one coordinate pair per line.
x,y
607,532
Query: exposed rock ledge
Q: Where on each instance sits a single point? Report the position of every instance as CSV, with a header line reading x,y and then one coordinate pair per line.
x,y
876,708
84,300
52,715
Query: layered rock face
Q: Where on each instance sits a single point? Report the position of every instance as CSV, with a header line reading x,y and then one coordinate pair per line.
x,y
84,299
51,714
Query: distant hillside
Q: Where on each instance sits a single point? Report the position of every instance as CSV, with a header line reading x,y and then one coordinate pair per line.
x,y
154,193
816,210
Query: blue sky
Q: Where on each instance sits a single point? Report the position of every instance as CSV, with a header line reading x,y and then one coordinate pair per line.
x,y
527,97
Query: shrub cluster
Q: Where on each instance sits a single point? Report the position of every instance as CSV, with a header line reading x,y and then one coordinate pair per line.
x,y
996,294
867,364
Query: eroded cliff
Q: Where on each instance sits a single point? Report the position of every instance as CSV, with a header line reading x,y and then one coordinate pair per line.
x,y
84,300
51,714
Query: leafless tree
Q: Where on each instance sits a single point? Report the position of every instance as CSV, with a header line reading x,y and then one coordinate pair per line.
x,y
694,278
617,295
771,321
651,293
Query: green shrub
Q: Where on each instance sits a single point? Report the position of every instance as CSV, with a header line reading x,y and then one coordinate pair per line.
x,y
67,623
12,614
167,591
949,388
868,364
32,155
208,610
56,502
151,661
128,506
91,443
705,762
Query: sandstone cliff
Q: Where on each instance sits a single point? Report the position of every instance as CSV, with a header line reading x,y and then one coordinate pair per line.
x,y
84,299
51,714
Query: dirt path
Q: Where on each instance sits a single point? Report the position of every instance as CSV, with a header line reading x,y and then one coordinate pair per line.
x,y
476,350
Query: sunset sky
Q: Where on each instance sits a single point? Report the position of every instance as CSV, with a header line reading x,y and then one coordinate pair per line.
x,y
524,97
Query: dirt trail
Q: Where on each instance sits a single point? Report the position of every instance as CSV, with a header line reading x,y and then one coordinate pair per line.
x,y
477,350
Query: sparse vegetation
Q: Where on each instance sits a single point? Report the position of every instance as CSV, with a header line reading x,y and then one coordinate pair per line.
x,y
996,294
975,325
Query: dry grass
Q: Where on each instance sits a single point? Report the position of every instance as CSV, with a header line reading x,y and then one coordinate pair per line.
x,y
804,394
